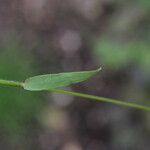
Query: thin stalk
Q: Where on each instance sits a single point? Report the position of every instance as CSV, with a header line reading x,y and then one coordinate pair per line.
x,y
103,99
10,83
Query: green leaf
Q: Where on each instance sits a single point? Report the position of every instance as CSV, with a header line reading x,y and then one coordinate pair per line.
x,y
53,81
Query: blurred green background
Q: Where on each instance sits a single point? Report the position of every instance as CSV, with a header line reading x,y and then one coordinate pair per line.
x,y
39,36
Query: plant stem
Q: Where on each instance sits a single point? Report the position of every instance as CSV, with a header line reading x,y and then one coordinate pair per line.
x,y
10,83
103,99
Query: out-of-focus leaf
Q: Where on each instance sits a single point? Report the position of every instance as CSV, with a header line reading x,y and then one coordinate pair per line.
x,y
52,81
117,55
17,108
144,3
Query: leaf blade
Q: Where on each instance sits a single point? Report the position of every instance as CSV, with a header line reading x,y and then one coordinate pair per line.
x,y
53,81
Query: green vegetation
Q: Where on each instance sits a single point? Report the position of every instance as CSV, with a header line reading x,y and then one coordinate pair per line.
x,y
117,55
17,107
51,82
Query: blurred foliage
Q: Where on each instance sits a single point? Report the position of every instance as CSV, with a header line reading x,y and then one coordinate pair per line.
x,y
143,3
122,48
117,54
18,108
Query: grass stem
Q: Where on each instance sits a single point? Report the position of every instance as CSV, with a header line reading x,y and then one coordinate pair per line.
x,y
11,83
102,99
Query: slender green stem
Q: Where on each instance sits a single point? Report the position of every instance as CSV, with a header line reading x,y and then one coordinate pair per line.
x,y
10,83
103,99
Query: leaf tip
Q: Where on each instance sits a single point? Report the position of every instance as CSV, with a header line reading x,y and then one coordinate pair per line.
x,y
99,69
